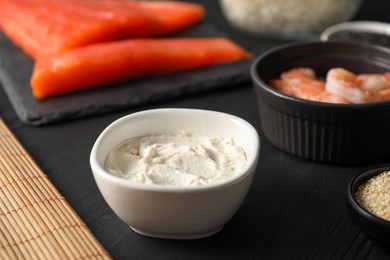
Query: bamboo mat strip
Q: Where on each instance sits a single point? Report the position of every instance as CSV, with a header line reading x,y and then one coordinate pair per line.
x,y
36,222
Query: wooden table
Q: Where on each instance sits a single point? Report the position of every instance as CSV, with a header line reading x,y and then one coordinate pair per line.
x,y
295,209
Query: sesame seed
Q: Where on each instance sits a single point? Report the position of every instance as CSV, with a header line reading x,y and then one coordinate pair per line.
x,y
374,195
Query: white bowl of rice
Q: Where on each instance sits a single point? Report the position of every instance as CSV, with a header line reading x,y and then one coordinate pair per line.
x,y
288,18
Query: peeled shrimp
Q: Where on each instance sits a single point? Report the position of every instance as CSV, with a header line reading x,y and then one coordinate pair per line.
x,y
372,83
298,73
299,82
308,92
332,98
384,94
308,88
283,86
344,84
341,86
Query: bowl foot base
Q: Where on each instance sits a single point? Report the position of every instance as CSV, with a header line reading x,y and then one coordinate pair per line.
x,y
178,235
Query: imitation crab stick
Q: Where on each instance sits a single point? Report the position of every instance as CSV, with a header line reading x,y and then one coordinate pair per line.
x,y
46,27
104,63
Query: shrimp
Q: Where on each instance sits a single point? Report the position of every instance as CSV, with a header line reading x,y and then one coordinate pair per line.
x,y
372,83
332,98
299,82
384,94
309,92
344,84
283,86
289,85
387,77
341,86
298,73
307,88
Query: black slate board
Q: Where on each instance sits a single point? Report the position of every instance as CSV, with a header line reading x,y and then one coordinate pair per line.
x,y
16,68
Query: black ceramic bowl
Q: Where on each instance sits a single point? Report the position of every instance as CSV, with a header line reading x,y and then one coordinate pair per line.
x,y
323,132
374,227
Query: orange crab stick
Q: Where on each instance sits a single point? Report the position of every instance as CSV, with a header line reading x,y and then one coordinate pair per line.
x,y
100,64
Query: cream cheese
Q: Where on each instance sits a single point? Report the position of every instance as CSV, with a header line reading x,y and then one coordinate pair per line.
x,y
178,160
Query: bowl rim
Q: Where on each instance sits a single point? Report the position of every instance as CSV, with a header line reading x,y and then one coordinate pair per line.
x,y
259,83
370,173
97,169
357,26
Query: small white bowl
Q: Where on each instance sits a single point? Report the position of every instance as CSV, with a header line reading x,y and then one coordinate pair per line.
x,y
169,211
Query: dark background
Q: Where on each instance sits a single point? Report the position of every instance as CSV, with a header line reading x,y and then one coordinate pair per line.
x,y
295,209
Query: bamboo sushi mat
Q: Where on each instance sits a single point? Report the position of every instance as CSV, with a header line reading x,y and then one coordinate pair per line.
x,y
36,222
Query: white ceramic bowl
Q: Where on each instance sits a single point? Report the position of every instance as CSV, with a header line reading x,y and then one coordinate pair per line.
x,y
175,212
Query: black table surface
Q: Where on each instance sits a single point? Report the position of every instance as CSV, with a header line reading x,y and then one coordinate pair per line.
x,y
295,208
